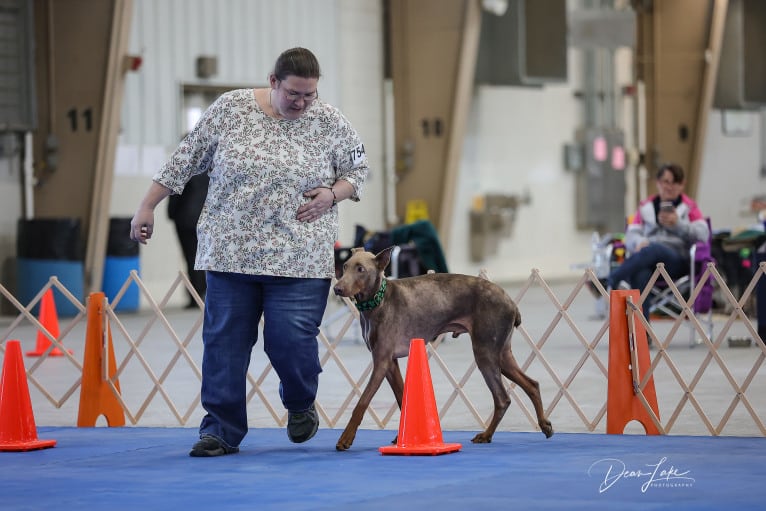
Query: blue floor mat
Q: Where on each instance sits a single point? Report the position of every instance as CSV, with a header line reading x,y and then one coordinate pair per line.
x,y
145,469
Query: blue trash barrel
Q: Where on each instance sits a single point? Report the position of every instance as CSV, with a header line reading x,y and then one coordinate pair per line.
x,y
48,247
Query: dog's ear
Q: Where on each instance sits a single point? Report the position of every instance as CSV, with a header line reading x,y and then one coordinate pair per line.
x,y
383,257
357,249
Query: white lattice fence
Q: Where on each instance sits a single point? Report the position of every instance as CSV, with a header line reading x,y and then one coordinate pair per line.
x,y
159,350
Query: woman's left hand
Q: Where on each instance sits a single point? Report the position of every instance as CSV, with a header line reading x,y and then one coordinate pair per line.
x,y
321,202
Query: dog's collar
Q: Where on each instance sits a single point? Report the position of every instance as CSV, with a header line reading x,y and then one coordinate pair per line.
x,y
375,300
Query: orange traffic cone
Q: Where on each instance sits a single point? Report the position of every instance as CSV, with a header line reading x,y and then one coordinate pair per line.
x,y
419,428
50,320
17,421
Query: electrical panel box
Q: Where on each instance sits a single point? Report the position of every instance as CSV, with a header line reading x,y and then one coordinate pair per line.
x,y
600,183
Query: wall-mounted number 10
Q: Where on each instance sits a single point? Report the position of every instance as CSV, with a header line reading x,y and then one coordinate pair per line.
x,y
87,117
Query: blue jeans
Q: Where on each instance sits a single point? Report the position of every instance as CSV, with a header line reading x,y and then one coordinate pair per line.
x,y
292,309
639,267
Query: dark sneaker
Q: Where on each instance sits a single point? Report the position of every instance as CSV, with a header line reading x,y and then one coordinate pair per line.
x,y
209,446
302,426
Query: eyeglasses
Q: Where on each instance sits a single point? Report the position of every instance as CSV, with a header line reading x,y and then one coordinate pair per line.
x,y
292,95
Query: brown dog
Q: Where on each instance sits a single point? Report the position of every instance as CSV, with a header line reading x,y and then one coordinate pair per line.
x,y
393,312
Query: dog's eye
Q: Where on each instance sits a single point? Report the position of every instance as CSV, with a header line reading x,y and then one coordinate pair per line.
x,y
360,268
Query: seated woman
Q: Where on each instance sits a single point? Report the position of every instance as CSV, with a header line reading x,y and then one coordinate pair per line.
x,y
663,229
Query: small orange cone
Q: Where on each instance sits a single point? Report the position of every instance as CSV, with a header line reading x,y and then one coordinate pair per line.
x,y
17,421
48,317
419,428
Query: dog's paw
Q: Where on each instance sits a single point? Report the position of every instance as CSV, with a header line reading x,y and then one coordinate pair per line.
x,y
340,446
547,428
344,443
482,438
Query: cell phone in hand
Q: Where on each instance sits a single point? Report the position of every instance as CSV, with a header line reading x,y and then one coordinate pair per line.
x,y
667,206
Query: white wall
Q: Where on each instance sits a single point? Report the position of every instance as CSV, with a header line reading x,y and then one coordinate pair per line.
x,y
730,176
360,33
514,144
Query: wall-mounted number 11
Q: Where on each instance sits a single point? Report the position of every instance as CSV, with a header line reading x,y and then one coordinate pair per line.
x,y
433,127
87,117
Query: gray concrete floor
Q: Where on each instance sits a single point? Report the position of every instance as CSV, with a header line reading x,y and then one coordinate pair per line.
x,y
559,324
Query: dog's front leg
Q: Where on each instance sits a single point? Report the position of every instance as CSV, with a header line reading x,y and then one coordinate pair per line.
x,y
395,380
379,371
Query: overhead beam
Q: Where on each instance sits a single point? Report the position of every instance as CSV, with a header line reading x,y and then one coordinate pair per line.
x,y
106,145
461,106
678,54
80,50
707,94
433,53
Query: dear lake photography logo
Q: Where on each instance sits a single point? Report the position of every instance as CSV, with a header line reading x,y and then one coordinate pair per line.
x,y
656,474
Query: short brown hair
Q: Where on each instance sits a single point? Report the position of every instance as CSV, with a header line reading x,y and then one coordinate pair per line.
x,y
675,169
297,61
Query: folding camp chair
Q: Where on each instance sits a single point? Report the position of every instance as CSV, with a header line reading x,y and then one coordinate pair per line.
x,y
664,300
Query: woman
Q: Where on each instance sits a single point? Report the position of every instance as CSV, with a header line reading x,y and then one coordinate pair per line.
x,y
662,231
279,161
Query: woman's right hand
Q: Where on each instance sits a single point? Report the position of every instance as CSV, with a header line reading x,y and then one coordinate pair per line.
x,y
142,226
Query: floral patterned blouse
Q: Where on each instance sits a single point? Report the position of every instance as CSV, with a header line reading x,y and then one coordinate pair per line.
x,y
259,168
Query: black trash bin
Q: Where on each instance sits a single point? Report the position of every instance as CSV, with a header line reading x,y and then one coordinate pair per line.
x,y
48,247
121,258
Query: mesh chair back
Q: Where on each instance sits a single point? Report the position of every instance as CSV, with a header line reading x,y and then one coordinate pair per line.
x,y
702,256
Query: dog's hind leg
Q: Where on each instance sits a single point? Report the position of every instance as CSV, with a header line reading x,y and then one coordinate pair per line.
x,y
395,380
513,372
490,369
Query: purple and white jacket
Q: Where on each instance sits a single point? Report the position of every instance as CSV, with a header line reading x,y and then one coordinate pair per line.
x,y
691,227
